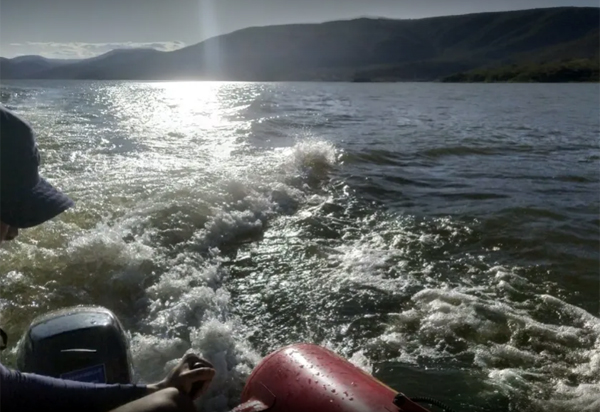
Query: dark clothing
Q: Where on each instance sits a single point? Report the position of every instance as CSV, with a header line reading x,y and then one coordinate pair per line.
x,y
24,392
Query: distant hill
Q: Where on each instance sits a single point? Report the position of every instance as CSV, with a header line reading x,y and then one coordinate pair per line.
x,y
121,64
24,67
355,50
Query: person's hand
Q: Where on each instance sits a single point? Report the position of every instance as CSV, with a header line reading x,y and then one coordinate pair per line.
x,y
191,376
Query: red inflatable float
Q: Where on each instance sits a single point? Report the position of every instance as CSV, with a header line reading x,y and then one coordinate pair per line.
x,y
305,378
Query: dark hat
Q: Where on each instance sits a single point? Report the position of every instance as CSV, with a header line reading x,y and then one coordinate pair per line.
x,y
26,199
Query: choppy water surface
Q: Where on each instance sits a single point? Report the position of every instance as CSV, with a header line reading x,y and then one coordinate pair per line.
x,y
443,237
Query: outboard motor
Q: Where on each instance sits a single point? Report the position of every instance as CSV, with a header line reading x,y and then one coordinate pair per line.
x,y
81,343
306,377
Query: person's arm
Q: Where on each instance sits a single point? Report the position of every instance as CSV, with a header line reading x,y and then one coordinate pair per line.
x,y
176,393
165,400
29,392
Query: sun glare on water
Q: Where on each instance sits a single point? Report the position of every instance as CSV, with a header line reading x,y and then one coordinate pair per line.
x,y
177,117
198,101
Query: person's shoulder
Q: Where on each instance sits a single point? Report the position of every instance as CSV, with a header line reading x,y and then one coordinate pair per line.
x,y
9,115
10,121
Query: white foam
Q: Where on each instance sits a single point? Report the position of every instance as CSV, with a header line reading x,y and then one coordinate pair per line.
x,y
189,305
518,351
360,360
312,153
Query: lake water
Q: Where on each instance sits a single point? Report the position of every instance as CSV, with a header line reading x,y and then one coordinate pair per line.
x,y
443,237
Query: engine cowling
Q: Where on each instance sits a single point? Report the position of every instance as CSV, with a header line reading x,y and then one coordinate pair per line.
x,y
83,343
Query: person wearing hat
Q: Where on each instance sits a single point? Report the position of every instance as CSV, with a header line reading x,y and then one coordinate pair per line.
x,y
27,200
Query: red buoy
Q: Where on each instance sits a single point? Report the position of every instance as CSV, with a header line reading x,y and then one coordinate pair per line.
x,y
309,378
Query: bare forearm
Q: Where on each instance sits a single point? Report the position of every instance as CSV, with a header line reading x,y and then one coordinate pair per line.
x,y
165,400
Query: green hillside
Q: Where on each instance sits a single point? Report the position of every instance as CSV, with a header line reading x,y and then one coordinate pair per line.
x,y
581,70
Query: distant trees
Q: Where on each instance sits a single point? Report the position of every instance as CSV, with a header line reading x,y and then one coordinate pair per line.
x,y
563,71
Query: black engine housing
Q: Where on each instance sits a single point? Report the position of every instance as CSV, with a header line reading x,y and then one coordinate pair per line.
x,y
84,343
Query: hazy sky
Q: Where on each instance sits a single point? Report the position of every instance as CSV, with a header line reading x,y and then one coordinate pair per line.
x,y
83,28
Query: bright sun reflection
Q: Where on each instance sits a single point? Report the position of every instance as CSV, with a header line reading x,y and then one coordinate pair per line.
x,y
173,118
199,109
192,102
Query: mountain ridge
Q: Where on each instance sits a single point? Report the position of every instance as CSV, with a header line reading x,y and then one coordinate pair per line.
x,y
350,50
